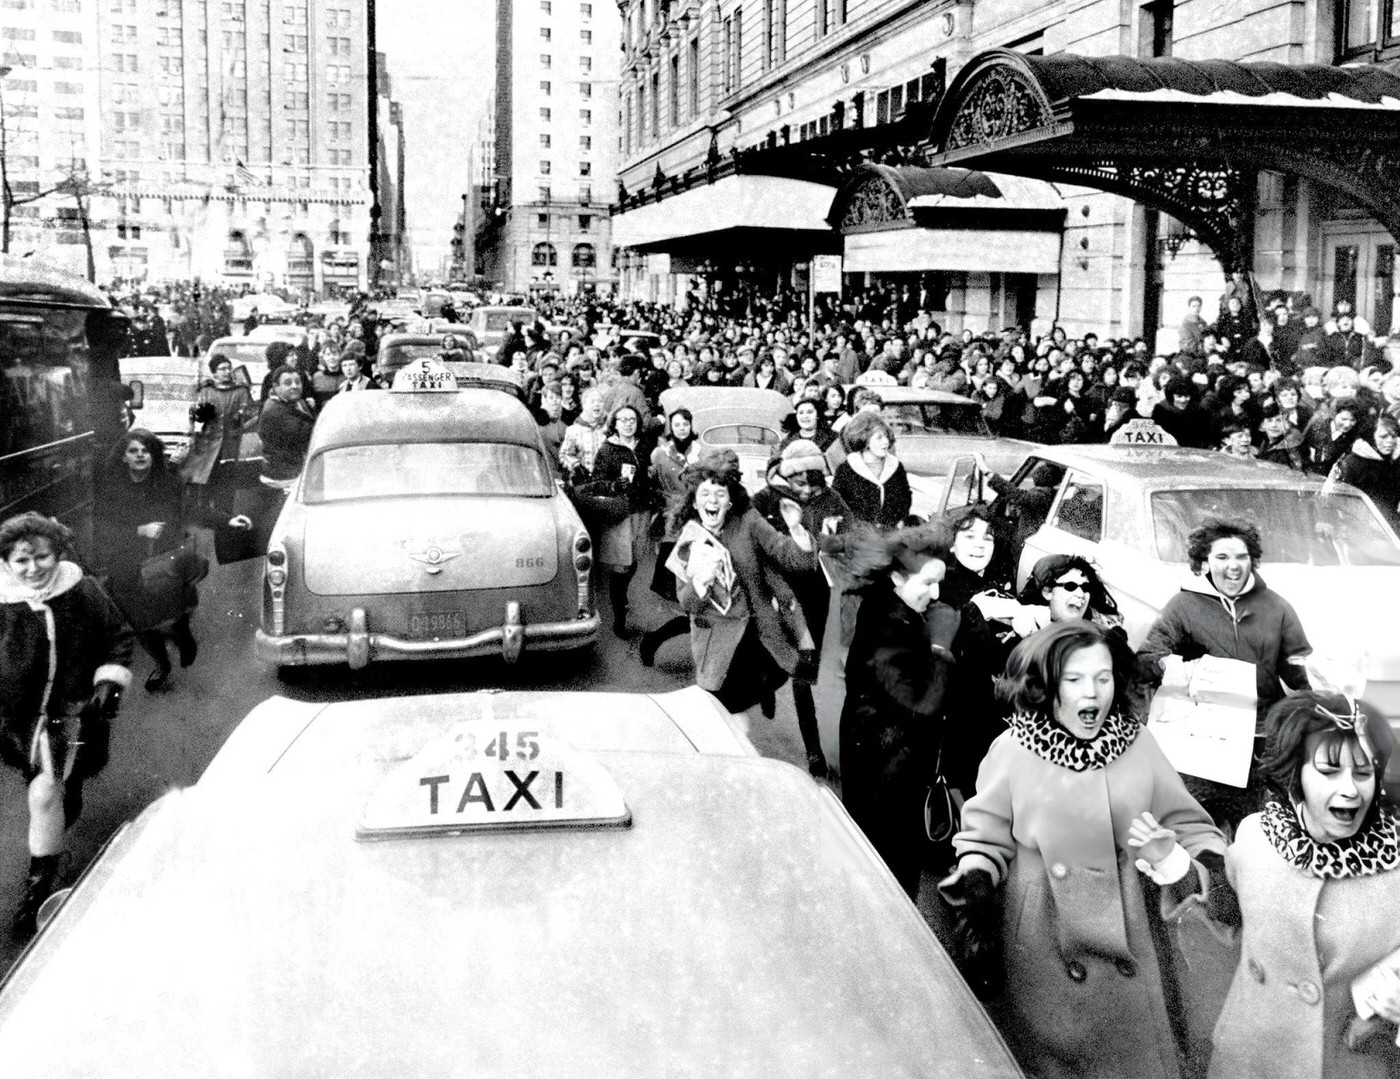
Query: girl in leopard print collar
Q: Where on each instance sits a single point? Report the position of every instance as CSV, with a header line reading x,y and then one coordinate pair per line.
x,y
1074,805
1317,873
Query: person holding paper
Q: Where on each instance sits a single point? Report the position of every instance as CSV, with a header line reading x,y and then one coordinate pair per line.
x,y
722,560
1317,875
1225,609
1075,804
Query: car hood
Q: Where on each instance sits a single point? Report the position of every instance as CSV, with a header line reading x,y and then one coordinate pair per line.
x,y
394,546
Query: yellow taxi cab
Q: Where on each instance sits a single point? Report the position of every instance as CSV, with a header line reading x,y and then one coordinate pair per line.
x,y
493,884
427,523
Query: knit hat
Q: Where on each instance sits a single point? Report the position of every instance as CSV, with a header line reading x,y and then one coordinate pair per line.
x,y
801,455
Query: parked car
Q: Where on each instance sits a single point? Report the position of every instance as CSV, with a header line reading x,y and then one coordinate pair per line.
x,y
491,324
932,429
593,885
165,387
745,420
398,350
426,524
1326,548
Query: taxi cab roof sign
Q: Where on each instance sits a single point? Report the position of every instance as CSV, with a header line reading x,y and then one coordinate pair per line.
x,y
428,375
1141,432
485,775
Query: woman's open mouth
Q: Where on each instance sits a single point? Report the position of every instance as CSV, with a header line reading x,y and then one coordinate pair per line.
x,y
1344,814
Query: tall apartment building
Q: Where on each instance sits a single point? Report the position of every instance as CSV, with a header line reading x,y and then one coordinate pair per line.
x,y
556,146
759,132
50,130
225,140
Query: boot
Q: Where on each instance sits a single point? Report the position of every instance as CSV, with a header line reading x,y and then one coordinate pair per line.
x,y
806,708
39,885
617,592
159,678
184,640
653,639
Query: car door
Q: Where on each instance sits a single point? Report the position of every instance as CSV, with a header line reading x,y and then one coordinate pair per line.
x,y
1074,525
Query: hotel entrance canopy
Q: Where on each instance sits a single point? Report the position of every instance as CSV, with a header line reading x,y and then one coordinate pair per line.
x,y
1187,137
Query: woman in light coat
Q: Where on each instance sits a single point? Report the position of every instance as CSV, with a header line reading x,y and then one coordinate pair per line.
x,y
222,414
1317,874
1074,805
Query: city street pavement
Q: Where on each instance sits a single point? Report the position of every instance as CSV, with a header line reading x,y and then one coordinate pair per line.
x,y
164,741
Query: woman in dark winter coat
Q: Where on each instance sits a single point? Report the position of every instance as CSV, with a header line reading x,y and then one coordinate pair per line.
x,y
1330,434
66,659
742,649
620,463
1181,417
1373,466
222,414
1225,609
1075,804
898,670
285,428
1282,443
138,515
799,475
675,451
1317,875
871,480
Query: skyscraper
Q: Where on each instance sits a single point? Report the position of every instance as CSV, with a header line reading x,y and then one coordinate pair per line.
x,y
556,135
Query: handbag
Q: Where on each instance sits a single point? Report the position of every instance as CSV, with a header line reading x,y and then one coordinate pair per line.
x,y
942,811
179,566
600,505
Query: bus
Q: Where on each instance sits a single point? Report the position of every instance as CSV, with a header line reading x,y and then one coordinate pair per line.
x,y
62,403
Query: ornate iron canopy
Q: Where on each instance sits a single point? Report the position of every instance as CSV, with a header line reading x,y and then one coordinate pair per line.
x,y
1185,137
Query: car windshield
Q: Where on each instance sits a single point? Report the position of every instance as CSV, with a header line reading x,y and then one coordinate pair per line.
x,y
426,468
1296,526
944,418
165,385
240,352
501,320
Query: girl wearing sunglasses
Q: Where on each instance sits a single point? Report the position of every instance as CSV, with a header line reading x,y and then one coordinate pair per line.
x,y
1063,587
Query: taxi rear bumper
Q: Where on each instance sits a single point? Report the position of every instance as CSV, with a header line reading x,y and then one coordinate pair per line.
x,y
359,646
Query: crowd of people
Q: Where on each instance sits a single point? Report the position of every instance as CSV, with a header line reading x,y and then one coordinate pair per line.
x,y
991,739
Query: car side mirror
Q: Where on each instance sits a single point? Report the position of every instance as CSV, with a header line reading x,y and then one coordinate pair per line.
x,y
138,393
241,376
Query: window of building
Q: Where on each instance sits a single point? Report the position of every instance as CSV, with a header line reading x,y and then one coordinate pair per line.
x,y
122,32
68,37
15,5
68,88
831,15
172,123
170,8
584,257
68,112
66,5
293,42
586,10
545,60
545,168
118,7
585,222
546,33
1368,29
693,74
543,193
728,64
585,89
172,65
641,113
544,142
297,100
585,168
673,88
546,8
542,220
544,255
22,112
585,116
235,40
586,36
298,129
24,161
22,86
16,33
585,63
234,12
545,115
585,142
544,87
20,59
774,33
655,104
338,17
335,73
338,102
68,63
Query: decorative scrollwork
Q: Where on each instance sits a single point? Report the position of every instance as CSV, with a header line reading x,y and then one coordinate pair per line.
x,y
873,202
999,103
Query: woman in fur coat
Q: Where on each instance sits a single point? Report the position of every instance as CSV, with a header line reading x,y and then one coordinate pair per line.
x,y
871,479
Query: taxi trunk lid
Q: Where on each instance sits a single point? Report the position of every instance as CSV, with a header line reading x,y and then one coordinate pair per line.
x,y
396,546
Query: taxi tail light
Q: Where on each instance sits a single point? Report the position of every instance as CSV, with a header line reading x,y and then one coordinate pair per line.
x,y
583,570
275,590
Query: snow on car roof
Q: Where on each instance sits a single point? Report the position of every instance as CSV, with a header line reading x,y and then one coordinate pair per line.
x,y
469,415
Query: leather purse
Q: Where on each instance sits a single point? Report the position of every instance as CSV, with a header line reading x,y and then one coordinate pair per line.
x,y
942,809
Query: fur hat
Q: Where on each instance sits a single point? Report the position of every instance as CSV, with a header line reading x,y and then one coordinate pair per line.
x,y
801,455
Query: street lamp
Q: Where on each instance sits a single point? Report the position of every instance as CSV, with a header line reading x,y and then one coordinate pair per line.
x,y
5,192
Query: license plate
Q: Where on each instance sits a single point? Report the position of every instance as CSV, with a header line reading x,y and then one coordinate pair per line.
x,y
437,624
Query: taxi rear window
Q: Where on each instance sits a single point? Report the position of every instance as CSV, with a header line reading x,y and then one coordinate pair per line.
x,y
399,470
396,356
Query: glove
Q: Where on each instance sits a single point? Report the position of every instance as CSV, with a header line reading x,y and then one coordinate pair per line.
x,y
95,730
1222,905
976,930
943,622
204,412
